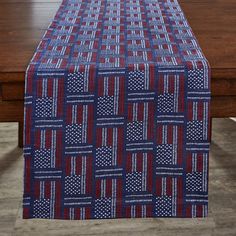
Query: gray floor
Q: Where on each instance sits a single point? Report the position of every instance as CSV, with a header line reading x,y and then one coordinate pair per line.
x,y
222,196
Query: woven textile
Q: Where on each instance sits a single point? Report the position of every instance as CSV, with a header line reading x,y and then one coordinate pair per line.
x,y
117,114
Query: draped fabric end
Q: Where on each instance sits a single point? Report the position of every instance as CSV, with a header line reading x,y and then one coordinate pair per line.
x,y
117,102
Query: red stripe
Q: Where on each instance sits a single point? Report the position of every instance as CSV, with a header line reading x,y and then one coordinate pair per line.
x,y
140,111
158,185
200,110
66,214
199,162
100,87
171,83
120,145
28,123
27,186
47,189
58,199
88,213
152,76
49,87
39,85
98,188
111,86
151,120
68,166
48,138
68,114
121,95
89,174
80,110
149,211
179,196
119,189
37,189
99,137
78,168
77,213
37,138
181,93
108,187
60,97
138,211
199,210
189,162
180,145
128,212
190,110
109,136
170,134
130,112
128,163
150,159
58,149
139,162
169,186
189,210
90,123
26,212
159,134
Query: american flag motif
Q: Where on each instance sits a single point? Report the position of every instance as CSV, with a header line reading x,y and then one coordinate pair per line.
x,y
117,114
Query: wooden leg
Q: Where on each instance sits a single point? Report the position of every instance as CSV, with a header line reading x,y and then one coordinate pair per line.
x,y
20,134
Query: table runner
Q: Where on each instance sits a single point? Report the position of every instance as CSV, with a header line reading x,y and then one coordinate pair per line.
x,y
117,114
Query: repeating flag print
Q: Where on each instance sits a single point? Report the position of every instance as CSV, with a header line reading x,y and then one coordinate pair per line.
x,y
117,102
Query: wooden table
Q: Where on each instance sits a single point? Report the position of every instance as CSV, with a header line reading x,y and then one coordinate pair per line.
x,y
23,22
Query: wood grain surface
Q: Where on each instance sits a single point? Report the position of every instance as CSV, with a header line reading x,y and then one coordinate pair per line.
x,y
23,23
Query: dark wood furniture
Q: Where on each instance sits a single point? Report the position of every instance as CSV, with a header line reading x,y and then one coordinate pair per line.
x,y
23,22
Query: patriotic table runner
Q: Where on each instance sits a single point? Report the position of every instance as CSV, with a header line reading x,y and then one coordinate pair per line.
x,y
117,114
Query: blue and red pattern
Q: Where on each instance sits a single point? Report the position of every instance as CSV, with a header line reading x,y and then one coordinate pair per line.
x,y
117,114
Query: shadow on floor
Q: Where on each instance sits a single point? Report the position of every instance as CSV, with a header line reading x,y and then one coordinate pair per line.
x,y
8,159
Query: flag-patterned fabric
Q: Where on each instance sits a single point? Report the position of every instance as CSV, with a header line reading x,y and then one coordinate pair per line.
x,y
117,114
